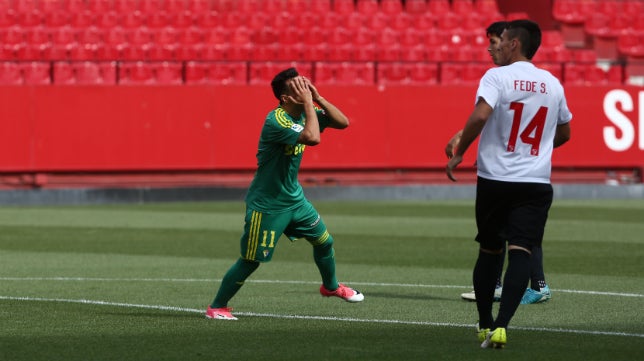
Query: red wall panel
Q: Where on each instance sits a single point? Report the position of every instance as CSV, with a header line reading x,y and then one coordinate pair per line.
x,y
124,128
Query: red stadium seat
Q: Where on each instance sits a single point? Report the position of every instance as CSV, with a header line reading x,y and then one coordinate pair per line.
x,y
37,73
132,19
367,7
423,73
264,52
450,73
223,5
289,52
554,69
196,73
265,35
85,51
416,7
391,7
10,74
73,6
448,21
57,18
216,36
125,6
227,73
248,6
163,52
340,52
345,73
150,6
30,18
263,73
487,7
439,7
394,73
136,73
173,6
463,7
207,20
424,21
34,52
338,36
85,73
109,51
350,73
82,19
391,52
413,53
365,53
354,20
320,6
213,52
183,19
107,20
64,73
169,73
99,6
378,21
157,20
313,36
191,35
343,7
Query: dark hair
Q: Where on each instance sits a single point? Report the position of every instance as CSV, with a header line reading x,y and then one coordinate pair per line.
x,y
279,81
496,28
529,36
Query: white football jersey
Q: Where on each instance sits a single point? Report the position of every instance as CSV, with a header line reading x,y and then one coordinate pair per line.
x,y
517,140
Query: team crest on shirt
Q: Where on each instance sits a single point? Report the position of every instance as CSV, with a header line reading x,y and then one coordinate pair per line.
x,y
296,127
266,252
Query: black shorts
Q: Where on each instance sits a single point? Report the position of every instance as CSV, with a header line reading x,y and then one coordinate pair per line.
x,y
511,211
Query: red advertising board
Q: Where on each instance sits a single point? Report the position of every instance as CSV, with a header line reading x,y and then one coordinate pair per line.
x,y
133,128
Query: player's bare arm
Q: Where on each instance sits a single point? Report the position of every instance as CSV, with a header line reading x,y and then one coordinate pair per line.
x,y
301,94
453,144
562,134
337,119
471,131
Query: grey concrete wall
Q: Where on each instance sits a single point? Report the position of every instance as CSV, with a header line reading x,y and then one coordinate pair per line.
x,y
407,192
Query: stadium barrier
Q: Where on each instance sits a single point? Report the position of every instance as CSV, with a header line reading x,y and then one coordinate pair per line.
x,y
212,131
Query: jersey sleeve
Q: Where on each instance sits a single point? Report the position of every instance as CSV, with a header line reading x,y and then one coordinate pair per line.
x,y
323,119
488,89
279,128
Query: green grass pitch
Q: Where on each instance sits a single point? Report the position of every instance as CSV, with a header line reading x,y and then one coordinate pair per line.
x,y
131,282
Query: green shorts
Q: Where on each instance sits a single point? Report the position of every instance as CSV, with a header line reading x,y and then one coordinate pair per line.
x,y
263,230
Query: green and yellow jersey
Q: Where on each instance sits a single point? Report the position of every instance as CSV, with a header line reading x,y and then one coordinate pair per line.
x,y
275,187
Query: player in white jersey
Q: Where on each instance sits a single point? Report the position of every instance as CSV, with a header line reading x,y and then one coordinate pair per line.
x,y
521,114
539,290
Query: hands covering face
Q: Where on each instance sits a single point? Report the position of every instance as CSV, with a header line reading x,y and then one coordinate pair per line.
x,y
300,92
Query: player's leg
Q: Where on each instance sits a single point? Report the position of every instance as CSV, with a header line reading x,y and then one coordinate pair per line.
x,y
261,232
539,290
307,223
491,216
526,226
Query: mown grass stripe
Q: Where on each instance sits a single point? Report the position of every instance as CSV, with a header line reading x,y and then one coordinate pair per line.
x,y
375,284
303,317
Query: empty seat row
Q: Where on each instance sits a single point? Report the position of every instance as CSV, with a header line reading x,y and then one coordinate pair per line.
x,y
341,7
242,73
257,20
578,11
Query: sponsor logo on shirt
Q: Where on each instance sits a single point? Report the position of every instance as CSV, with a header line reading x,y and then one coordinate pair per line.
x,y
296,127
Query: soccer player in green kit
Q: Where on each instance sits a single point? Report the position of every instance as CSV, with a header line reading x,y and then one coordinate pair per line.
x,y
275,202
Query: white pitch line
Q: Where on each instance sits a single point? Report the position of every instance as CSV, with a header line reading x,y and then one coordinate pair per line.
x,y
376,284
317,318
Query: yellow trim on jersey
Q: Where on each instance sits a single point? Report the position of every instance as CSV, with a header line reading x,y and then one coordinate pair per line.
x,y
253,235
282,118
